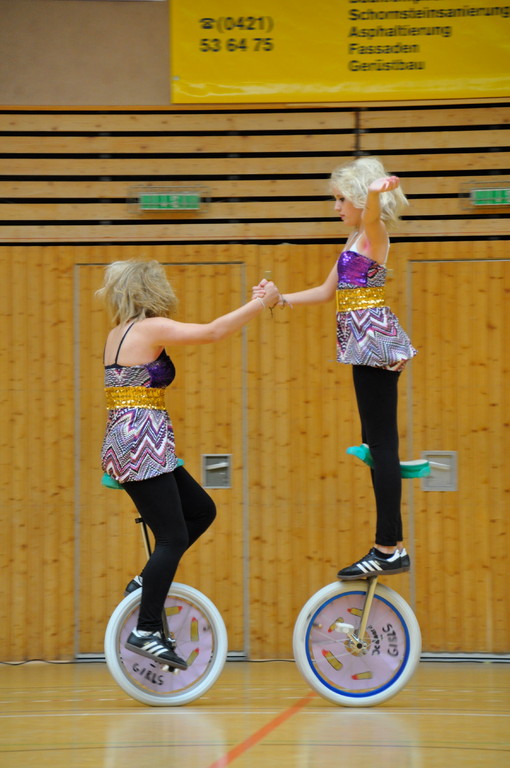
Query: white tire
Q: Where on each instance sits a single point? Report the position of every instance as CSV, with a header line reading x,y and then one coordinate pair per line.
x,y
331,664
201,639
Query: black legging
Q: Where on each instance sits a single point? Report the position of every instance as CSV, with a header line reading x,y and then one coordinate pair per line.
x,y
177,510
377,396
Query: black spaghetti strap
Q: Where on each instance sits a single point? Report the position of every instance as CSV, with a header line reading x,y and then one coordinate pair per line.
x,y
122,340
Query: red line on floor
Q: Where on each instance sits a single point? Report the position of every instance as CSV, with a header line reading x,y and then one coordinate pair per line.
x,y
254,739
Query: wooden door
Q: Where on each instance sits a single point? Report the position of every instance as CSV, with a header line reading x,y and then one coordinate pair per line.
x,y
205,403
460,402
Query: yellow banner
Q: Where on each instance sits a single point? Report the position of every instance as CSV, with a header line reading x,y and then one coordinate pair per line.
x,y
233,51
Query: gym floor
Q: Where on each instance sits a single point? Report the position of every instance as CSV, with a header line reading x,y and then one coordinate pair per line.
x,y
258,713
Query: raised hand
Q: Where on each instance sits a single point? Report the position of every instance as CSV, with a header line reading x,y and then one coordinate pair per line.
x,y
385,184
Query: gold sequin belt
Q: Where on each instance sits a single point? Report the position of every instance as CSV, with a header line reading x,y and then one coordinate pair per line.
x,y
135,397
348,299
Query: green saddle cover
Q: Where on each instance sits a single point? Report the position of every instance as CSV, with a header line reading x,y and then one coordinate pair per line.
x,y
110,482
408,469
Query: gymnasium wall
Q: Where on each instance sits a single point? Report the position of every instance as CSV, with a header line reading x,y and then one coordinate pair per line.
x,y
273,398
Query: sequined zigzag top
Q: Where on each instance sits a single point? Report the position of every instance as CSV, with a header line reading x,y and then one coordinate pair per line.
x,y
371,335
139,442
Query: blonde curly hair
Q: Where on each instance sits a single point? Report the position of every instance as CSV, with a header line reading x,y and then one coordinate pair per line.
x,y
353,179
136,290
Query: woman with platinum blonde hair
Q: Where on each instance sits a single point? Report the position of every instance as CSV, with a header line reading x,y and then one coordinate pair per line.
x,y
370,338
139,447
354,181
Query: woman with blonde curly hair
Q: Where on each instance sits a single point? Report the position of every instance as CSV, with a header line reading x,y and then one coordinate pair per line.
x,y
370,338
139,448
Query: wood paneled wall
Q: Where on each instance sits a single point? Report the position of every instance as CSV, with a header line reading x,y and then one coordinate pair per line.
x,y
277,401
67,176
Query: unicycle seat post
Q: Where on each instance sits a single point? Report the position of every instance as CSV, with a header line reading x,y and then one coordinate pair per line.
x,y
367,605
145,535
147,544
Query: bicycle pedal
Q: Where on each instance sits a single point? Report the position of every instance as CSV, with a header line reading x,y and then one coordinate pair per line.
x,y
340,626
168,668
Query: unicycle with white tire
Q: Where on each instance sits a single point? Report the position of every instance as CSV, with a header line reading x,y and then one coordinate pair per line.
x,y
191,623
357,643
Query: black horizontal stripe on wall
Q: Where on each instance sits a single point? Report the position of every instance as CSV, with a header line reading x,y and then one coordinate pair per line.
x,y
127,199
212,222
228,110
241,155
159,221
266,241
434,151
268,109
227,132
262,132
216,199
429,107
436,128
160,155
137,178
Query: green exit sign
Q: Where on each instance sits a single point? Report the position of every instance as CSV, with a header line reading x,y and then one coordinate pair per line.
x,y
168,198
499,196
169,201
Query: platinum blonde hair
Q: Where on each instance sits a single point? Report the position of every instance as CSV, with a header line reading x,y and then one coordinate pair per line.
x,y
352,181
136,290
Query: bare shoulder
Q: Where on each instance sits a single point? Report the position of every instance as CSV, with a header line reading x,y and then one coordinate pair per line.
x,y
374,243
133,343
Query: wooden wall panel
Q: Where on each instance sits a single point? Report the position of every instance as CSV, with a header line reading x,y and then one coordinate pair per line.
x,y
436,115
265,169
180,120
287,231
308,506
223,211
37,478
175,145
291,213
460,404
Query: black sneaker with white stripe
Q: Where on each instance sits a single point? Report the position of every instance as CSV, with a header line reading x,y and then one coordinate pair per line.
x,y
133,585
136,583
375,565
154,647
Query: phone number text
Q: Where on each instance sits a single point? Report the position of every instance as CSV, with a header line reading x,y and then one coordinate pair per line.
x,y
234,45
224,24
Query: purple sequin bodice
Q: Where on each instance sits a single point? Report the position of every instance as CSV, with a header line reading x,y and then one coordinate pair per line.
x,y
356,270
159,373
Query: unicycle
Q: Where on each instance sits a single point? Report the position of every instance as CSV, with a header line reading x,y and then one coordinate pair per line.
x,y
357,643
190,621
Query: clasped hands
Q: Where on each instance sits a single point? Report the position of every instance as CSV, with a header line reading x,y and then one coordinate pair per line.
x,y
267,291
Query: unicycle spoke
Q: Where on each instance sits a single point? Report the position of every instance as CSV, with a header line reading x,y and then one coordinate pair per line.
x,y
351,663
